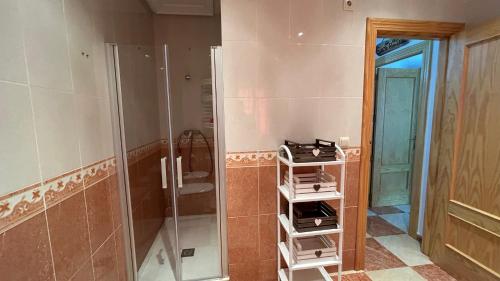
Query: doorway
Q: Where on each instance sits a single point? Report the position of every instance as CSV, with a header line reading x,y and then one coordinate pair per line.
x,y
405,72
396,29
456,227
404,95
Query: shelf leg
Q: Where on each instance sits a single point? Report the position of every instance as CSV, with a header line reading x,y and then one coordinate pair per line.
x,y
325,273
290,222
278,205
341,234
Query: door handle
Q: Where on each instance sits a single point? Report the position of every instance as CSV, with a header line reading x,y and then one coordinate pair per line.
x,y
179,172
163,161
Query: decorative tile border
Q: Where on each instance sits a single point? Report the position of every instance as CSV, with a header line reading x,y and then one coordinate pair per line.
x,y
62,187
198,142
141,152
242,159
268,158
21,205
353,153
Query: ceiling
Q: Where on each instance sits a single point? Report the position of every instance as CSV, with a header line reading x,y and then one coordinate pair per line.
x,y
182,7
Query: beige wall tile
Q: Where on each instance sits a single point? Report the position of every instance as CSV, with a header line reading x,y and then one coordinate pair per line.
x,y
342,70
239,20
307,21
240,69
304,119
272,123
12,47
306,49
305,64
57,131
81,37
273,20
241,124
272,69
18,156
46,44
94,128
341,117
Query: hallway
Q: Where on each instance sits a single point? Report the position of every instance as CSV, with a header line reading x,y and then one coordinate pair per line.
x,y
391,254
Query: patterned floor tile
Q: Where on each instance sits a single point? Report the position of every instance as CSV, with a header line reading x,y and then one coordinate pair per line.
x,y
361,276
433,272
385,210
379,227
377,257
401,220
405,248
404,208
395,274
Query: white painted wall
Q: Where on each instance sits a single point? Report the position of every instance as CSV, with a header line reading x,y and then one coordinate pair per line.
x,y
428,135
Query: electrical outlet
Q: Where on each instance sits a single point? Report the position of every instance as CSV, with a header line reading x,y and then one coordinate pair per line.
x,y
348,5
344,141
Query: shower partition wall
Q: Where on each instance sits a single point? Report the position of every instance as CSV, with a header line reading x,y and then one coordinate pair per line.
x,y
172,176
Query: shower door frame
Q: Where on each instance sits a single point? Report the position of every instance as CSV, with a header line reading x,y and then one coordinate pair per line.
x,y
220,156
120,148
115,95
219,159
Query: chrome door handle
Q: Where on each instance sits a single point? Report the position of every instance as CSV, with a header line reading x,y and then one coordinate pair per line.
x,y
163,161
179,172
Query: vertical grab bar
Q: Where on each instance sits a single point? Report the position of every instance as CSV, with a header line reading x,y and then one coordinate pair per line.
x,y
163,161
179,172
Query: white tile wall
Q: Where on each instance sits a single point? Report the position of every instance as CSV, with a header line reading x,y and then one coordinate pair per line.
x,y
308,54
13,67
239,20
18,157
54,107
94,128
46,44
242,123
57,131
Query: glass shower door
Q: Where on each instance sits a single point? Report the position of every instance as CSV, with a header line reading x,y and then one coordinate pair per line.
x,y
170,143
194,149
141,110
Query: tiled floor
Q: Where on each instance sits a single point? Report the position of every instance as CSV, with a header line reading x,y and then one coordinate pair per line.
x,y
198,232
392,255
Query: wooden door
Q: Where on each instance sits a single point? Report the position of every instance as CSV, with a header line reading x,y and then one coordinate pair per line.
x,y
397,100
462,226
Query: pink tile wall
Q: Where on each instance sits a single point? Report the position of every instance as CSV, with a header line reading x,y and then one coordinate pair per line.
x,y
78,236
251,206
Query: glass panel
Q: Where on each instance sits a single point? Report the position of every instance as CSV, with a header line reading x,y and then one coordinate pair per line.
x,y
145,127
193,133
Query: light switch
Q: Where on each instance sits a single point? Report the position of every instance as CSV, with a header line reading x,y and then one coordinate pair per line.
x,y
344,141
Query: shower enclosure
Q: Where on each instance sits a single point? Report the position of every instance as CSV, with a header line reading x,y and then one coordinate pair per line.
x,y
172,169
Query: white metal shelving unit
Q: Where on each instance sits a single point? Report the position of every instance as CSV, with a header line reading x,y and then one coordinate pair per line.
x,y
285,248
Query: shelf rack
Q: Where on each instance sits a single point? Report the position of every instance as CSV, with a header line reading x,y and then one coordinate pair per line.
x,y
285,248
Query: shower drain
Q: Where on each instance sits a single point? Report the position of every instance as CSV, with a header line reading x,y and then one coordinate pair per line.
x,y
187,252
